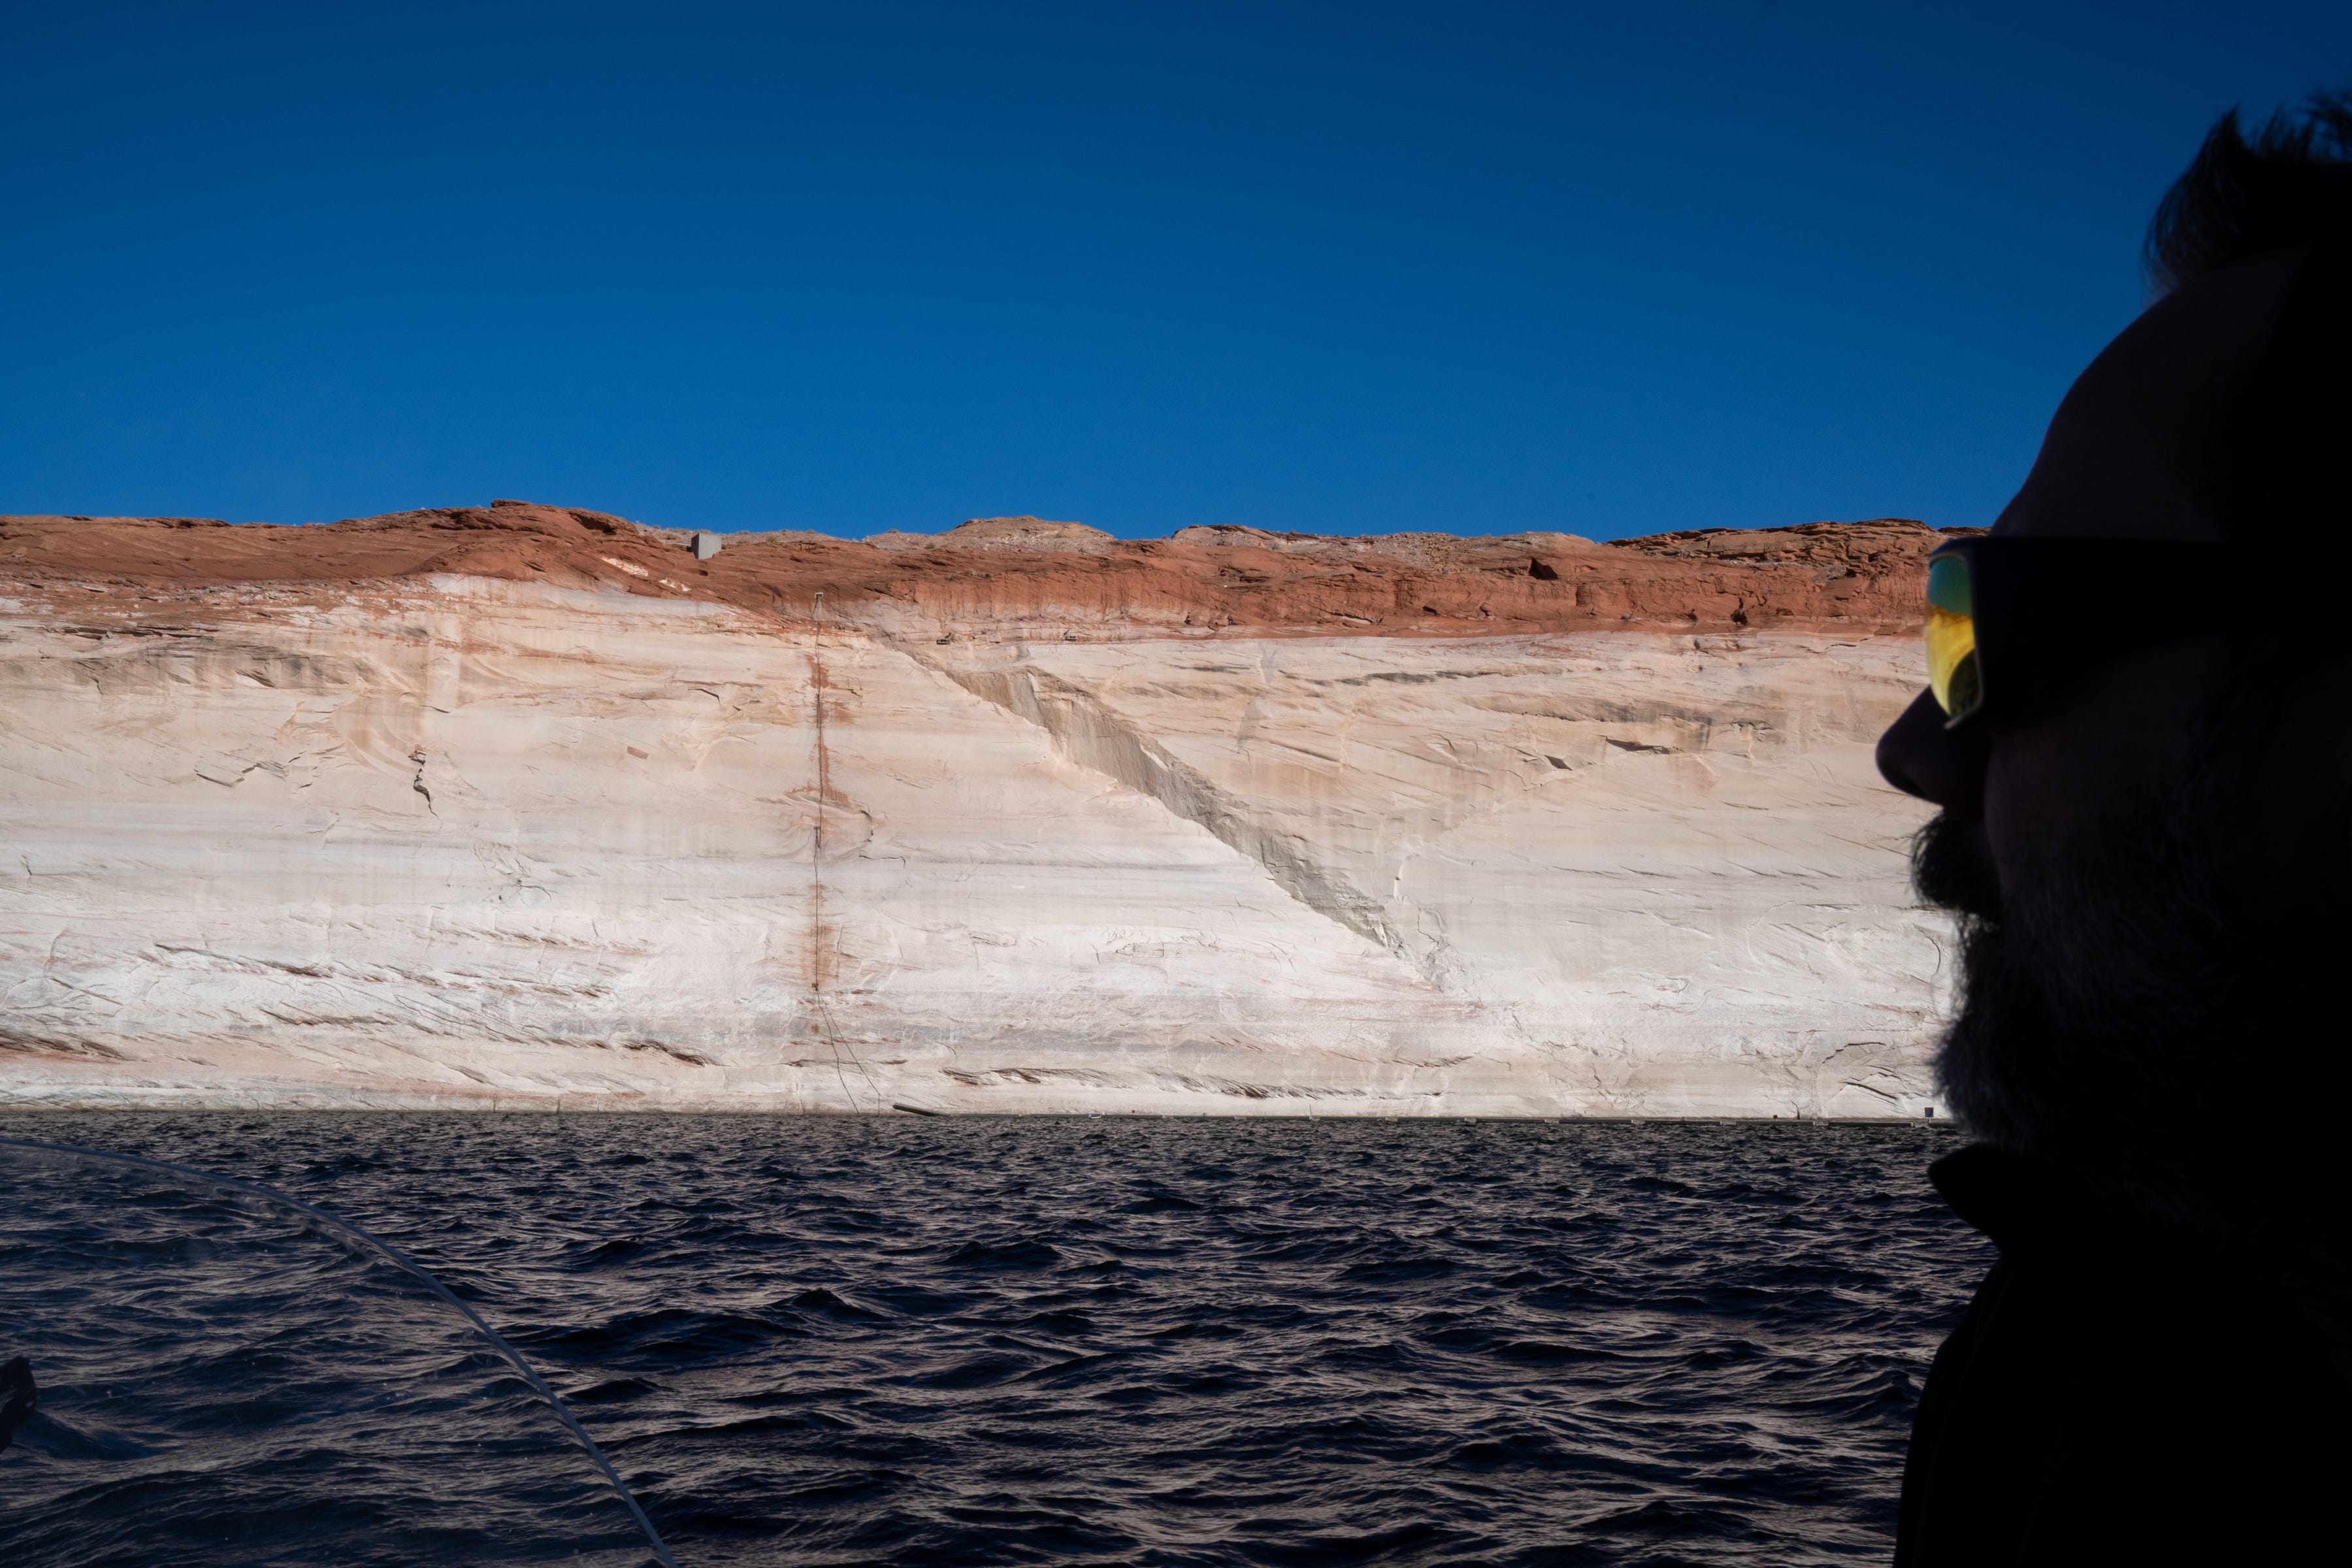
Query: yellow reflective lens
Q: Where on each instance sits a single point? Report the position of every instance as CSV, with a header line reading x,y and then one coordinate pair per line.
x,y
1952,636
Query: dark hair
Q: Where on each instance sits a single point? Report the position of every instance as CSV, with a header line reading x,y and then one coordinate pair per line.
x,y
2278,465
2291,186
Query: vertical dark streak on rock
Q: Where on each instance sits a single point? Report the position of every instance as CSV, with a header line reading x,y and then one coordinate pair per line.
x,y
821,949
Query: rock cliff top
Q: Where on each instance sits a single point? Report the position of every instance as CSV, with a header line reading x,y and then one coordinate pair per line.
x,y
1863,576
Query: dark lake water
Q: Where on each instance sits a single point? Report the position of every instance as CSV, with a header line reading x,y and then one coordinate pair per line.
x,y
968,1342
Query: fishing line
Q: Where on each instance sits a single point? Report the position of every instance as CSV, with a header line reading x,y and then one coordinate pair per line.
x,y
400,1260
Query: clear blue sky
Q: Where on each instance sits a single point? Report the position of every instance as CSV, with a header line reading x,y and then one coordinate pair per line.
x,y
1338,267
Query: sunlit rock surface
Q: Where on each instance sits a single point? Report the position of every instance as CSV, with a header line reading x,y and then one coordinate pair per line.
x,y
560,837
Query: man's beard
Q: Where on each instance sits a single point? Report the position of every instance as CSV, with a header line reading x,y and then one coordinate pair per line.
x,y
2131,1012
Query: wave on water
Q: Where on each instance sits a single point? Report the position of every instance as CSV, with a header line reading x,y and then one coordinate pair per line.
x,y
1288,1344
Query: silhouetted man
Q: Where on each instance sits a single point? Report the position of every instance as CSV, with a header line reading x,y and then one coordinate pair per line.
x,y
2140,737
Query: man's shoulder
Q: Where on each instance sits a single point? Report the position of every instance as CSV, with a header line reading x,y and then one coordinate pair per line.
x,y
2111,1380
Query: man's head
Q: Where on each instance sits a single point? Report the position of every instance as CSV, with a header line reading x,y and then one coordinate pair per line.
x,y
2150,847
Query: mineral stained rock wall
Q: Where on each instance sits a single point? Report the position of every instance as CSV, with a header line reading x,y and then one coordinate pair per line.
x,y
525,807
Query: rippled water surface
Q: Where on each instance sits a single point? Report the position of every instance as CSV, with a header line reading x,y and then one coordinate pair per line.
x,y
954,1341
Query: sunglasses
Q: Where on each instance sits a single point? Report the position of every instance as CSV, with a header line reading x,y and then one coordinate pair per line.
x,y
2009,617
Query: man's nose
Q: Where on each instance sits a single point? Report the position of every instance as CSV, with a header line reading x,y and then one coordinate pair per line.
x,y
1918,756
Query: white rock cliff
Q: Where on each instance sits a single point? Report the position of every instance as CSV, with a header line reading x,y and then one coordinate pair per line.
x,y
454,840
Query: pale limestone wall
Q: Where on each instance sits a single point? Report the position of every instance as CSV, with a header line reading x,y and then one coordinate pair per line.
x,y
488,844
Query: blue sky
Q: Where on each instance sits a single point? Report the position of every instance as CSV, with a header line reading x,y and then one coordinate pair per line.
x,y
1356,268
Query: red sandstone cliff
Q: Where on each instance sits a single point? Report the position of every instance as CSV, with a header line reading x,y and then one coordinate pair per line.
x,y
1863,575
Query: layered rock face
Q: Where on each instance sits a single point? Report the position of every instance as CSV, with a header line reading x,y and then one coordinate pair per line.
x,y
526,807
